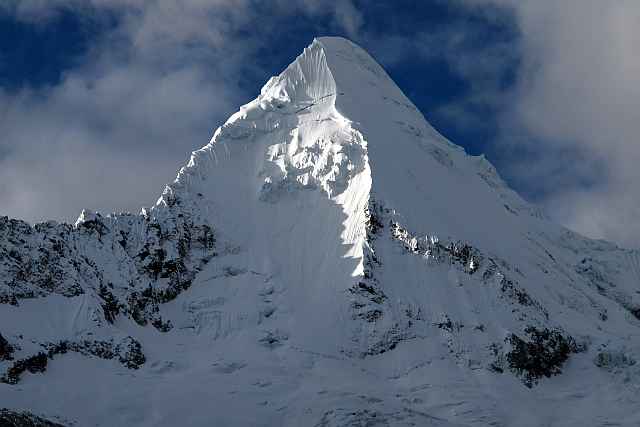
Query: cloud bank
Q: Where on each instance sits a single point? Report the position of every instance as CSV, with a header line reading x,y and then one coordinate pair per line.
x,y
569,125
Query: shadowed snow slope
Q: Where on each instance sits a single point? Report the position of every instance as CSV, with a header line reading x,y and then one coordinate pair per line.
x,y
327,259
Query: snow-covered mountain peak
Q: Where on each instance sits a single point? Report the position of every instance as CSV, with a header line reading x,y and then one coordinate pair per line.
x,y
85,216
330,65
328,258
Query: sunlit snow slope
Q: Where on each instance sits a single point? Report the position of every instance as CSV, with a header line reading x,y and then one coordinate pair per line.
x,y
327,259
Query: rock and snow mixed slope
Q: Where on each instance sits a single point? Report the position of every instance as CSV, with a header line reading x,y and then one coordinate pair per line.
x,y
327,259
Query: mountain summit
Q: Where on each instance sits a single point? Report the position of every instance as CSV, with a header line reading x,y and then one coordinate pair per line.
x,y
328,259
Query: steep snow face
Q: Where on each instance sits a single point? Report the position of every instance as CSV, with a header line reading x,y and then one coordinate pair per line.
x,y
430,181
327,259
286,181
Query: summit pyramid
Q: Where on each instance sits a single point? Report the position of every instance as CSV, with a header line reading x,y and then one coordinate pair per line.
x,y
327,259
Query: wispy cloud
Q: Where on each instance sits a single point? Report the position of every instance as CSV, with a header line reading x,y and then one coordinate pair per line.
x,y
575,105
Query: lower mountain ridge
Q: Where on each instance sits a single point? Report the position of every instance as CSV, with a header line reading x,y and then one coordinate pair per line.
x,y
328,259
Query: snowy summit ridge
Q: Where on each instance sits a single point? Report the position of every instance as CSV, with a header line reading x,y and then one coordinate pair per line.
x,y
328,258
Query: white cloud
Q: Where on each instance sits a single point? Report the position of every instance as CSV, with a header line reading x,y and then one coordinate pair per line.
x,y
575,106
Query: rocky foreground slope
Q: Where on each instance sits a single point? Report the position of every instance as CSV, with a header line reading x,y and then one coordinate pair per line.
x,y
327,259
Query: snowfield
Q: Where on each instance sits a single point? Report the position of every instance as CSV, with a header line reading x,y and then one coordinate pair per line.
x,y
327,259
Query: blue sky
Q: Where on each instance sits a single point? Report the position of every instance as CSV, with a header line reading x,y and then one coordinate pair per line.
x,y
104,99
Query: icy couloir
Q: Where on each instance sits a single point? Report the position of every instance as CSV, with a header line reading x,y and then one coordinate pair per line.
x,y
327,259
